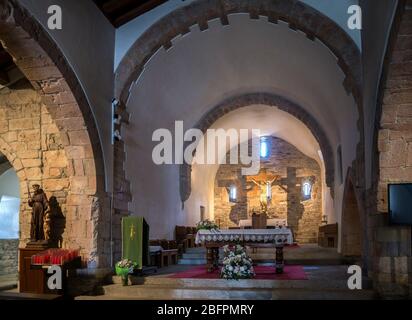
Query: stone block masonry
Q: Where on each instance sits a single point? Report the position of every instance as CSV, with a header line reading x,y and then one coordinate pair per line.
x,y
9,256
391,254
303,216
32,144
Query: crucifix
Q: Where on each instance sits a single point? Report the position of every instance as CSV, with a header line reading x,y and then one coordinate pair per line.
x,y
264,180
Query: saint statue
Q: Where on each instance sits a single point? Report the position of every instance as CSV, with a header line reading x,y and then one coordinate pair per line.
x,y
39,204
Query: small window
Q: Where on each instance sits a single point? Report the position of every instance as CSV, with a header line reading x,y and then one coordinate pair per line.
x,y
307,190
264,147
232,194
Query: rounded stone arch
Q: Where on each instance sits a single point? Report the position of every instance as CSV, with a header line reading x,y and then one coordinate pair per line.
x,y
44,65
8,151
268,99
298,15
352,229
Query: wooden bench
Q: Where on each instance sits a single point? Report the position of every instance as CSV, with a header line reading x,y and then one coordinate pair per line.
x,y
169,257
167,253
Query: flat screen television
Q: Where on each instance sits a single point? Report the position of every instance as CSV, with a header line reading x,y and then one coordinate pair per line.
x,y
400,203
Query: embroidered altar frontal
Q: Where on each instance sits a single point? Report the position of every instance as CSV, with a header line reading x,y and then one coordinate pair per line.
x,y
278,236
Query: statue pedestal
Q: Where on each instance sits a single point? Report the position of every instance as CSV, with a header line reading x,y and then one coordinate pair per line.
x,y
32,281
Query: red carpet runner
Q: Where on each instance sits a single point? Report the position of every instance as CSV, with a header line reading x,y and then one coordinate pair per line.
x,y
262,273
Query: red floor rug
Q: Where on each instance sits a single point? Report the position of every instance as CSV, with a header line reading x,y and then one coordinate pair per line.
x,y
262,273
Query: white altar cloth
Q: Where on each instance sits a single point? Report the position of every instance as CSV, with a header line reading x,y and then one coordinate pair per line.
x,y
278,235
269,222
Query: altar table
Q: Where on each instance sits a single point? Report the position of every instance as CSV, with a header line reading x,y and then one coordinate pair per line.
x,y
214,239
269,222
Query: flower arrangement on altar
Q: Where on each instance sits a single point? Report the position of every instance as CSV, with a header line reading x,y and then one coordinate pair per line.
x,y
236,264
207,225
124,268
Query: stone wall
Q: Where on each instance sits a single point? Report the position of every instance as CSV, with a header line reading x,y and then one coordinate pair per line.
x,y
9,256
31,141
66,106
303,216
32,144
390,259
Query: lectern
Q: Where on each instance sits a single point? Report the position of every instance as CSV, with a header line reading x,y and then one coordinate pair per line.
x,y
135,244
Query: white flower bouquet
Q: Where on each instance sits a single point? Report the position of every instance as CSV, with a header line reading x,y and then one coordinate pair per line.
x,y
236,264
206,225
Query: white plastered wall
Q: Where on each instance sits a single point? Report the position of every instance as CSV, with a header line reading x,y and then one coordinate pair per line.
x,y
199,71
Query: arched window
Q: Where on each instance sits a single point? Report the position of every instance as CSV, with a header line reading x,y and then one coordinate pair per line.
x,y
264,147
307,190
232,194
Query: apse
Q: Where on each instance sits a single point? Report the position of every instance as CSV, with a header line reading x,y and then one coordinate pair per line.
x,y
289,139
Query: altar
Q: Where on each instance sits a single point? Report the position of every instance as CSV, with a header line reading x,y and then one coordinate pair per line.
x,y
214,239
273,223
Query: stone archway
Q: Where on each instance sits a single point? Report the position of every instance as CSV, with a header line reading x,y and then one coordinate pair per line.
x,y
10,203
272,100
43,64
298,15
16,164
352,234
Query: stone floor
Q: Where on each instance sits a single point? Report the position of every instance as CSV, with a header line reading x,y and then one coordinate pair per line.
x,y
327,280
8,281
325,268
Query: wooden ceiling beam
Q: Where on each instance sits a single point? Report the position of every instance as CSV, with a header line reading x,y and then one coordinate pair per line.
x,y
136,11
120,12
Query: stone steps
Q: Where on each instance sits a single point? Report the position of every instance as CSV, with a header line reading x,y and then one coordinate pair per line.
x,y
148,292
159,281
197,256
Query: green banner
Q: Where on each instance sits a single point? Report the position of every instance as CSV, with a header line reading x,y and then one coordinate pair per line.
x,y
135,235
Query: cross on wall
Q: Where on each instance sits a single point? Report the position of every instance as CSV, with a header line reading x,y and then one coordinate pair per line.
x,y
289,184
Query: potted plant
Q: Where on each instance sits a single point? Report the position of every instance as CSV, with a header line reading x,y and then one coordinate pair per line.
x,y
236,264
206,225
124,268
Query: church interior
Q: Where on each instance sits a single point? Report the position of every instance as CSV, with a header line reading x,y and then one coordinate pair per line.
x,y
112,114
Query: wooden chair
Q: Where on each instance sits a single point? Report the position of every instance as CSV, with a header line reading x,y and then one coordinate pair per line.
x,y
167,255
180,236
190,236
328,236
